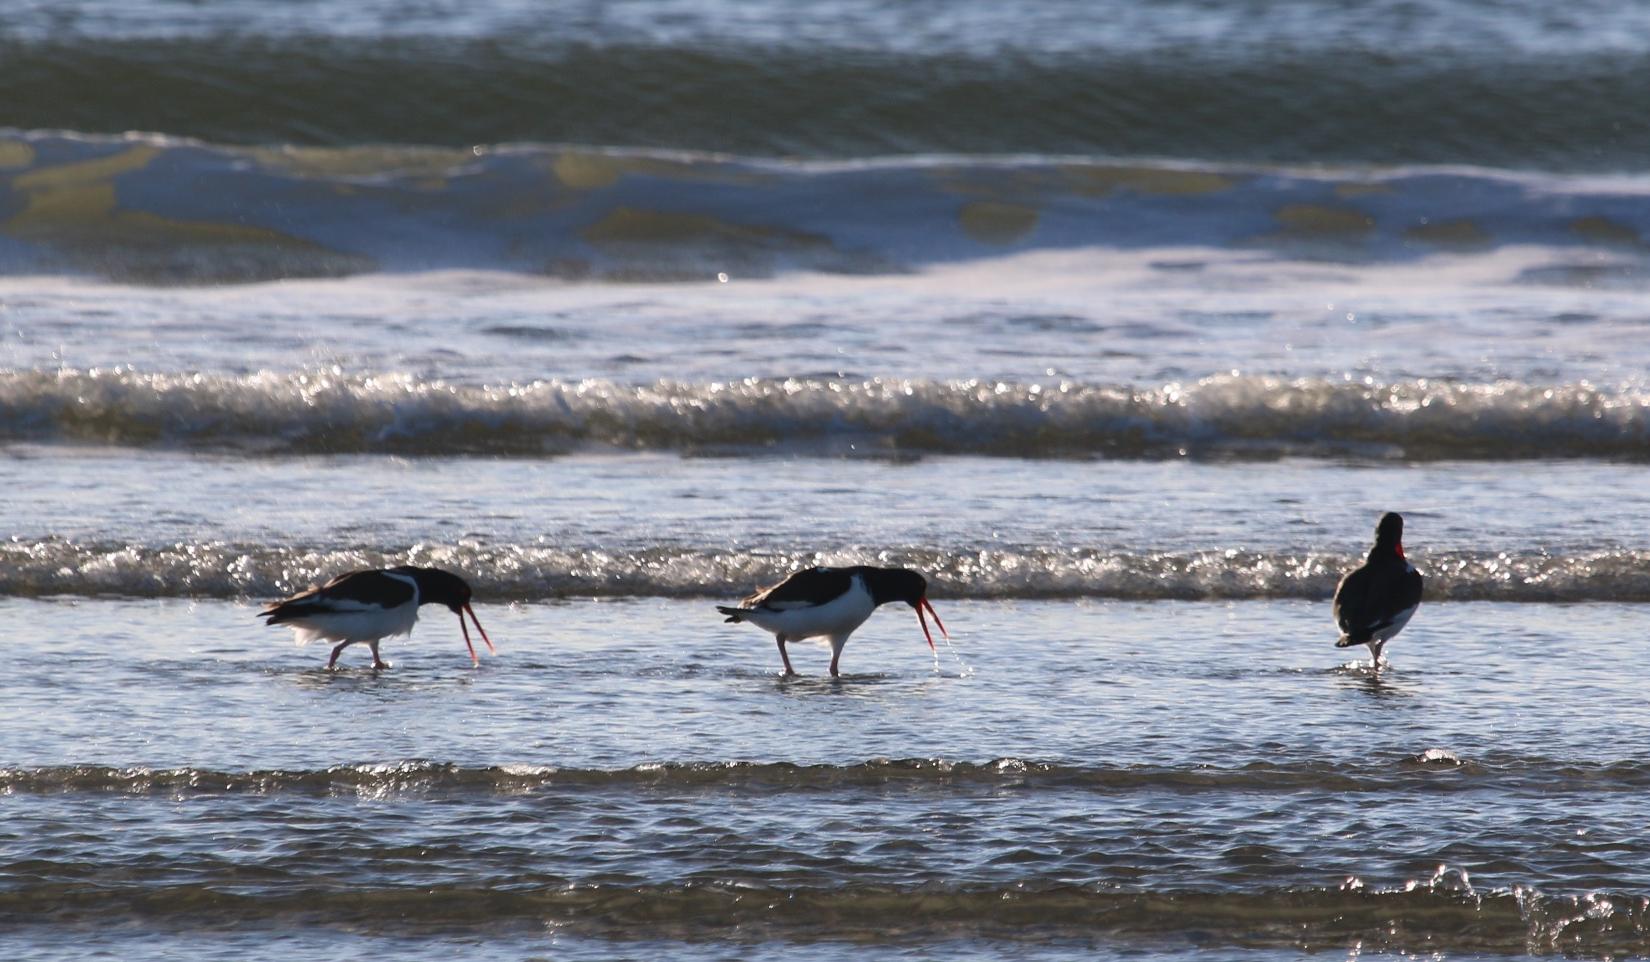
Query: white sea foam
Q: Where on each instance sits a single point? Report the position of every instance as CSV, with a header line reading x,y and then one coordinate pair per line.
x,y
510,572
402,413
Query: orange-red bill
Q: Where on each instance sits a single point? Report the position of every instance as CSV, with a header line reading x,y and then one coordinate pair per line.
x,y
937,620
474,659
924,622
483,631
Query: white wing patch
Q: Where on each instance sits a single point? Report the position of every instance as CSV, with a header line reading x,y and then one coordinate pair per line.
x,y
1394,624
342,606
407,580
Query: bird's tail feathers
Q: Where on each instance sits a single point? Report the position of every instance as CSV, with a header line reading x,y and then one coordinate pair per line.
x,y
281,612
302,632
735,615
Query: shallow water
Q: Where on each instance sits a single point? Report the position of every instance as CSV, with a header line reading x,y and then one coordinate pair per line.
x,y
633,759
1536,314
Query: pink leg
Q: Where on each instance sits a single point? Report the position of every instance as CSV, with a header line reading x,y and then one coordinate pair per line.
x,y
332,663
789,671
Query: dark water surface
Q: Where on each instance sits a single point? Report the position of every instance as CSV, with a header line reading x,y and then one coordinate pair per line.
x,y
1517,84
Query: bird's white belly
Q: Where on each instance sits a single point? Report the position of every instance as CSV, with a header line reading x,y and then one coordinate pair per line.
x,y
367,624
836,618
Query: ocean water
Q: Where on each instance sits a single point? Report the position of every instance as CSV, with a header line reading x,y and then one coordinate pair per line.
x,y
1123,322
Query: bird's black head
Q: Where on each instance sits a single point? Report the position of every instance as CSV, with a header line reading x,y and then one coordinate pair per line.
x,y
903,584
896,584
437,587
1389,534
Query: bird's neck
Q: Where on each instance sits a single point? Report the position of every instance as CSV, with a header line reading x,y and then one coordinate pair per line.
x,y
880,594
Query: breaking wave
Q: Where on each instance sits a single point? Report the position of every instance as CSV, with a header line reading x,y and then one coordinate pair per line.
x,y
43,567
1226,415
162,210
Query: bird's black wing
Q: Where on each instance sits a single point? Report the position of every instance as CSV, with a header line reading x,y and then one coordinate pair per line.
x,y
1371,597
1352,602
1408,592
354,589
811,586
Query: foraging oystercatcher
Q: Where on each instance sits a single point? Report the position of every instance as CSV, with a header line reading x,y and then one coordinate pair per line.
x,y
831,603
1374,602
369,606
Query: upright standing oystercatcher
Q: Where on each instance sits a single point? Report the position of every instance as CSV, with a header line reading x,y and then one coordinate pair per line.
x,y
831,603
369,606
1374,602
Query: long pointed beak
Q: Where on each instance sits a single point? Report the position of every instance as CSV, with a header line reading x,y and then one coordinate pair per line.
x,y
937,620
474,659
922,603
483,631
462,627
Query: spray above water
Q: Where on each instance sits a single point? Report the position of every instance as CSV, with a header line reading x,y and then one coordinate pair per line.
x,y
964,669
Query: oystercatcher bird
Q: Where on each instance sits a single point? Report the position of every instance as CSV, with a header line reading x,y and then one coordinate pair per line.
x,y
1374,602
369,606
831,603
